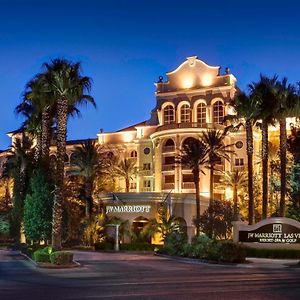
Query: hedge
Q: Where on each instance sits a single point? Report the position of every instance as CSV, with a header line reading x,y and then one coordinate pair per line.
x,y
61,258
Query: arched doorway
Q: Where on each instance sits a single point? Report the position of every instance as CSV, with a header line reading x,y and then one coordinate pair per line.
x,y
138,224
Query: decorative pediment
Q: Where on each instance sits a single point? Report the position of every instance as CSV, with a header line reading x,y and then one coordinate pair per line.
x,y
193,73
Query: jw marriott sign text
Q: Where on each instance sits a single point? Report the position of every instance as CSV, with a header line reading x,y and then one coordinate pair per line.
x,y
128,209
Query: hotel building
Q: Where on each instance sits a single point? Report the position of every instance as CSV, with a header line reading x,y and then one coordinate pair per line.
x,y
191,99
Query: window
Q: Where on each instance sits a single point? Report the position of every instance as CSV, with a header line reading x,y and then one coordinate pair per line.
x,y
218,112
133,153
169,179
185,114
239,144
188,178
169,160
239,162
147,151
147,183
133,185
169,115
147,166
201,114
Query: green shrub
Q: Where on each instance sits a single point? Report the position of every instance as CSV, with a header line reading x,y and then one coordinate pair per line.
x,y
61,258
231,252
205,248
175,242
273,253
187,250
106,246
41,256
137,246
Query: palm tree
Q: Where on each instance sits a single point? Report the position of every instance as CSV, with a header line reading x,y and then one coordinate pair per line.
x,y
17,167
237,181
66,87
246,108
87,160
194,155
264,93
287,106
36,107
214,140
124,168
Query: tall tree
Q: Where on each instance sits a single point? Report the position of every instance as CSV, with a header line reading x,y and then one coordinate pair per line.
x,y
264,92
246,115
18,166
67,87
124,168
237,181
215,142
88,164
287,105
194,154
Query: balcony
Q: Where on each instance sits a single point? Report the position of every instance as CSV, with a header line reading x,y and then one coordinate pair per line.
x,y
168,186
188,185
190,125
146,172
146,189
168,167
167,149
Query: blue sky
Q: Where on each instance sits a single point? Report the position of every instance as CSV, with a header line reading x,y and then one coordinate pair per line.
x,y
125,45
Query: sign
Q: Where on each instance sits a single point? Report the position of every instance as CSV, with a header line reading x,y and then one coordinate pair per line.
x,y
276,231
271,233
128,209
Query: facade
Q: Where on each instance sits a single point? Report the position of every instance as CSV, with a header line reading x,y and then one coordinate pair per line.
x,y
193,98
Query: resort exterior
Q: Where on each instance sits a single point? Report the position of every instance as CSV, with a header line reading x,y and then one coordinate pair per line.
x,y
192,99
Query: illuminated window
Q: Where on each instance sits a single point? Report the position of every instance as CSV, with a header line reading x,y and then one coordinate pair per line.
x,y
185,114
132,185
218,112
147,166
169,114
239,162
133,153
201,114
147,183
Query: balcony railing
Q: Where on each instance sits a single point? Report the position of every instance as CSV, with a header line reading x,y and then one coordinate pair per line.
x,y
146,189
168,167
190,125
168,186
168,149
146,173
188,185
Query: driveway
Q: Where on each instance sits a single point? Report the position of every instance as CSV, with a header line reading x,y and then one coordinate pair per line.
x,y
143,276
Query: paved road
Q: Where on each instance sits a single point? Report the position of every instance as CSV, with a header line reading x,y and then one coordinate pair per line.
x,y
132,276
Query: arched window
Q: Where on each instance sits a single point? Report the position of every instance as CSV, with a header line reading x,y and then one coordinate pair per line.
x,y
169,146
185,114
169,114
218,112
201,114
133,153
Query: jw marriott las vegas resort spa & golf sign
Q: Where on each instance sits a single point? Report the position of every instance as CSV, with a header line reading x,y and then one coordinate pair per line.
x,y
282,232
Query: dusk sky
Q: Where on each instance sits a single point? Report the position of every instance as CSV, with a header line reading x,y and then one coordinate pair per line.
x,y
125,45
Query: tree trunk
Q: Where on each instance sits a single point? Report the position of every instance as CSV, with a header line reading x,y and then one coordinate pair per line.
x,y
46,132
38,147
89,199
249,138
197,188
211,185
283,146
235,203
127,183
62,116
264,154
